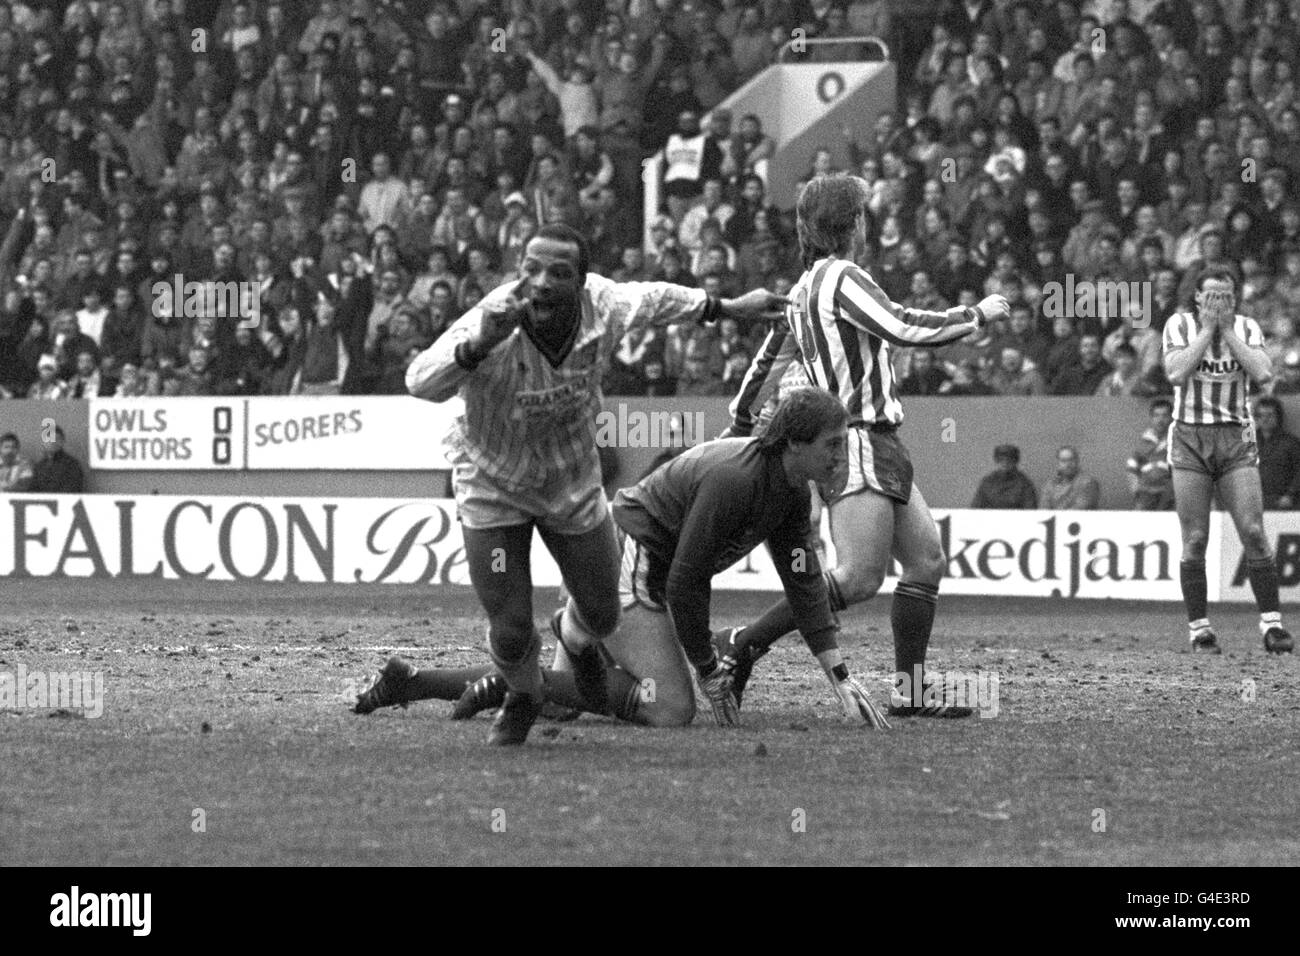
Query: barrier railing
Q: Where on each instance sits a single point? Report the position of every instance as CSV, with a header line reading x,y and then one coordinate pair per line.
x,y
831,41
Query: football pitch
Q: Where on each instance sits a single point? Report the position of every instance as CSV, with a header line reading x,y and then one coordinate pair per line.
x,y
225,739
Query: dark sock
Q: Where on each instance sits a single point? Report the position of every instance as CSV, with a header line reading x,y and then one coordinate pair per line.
x,y
444,683
912,617
622,688
778,620
833,591
776,623
1263,581
1192,576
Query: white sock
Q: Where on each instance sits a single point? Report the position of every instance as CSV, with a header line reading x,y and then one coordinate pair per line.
x,y
1195,627
1268,619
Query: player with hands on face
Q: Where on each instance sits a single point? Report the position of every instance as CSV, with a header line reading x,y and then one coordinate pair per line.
x,y
1214,356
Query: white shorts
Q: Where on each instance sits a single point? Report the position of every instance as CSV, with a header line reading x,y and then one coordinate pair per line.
x,y
877,461
570,507
638,584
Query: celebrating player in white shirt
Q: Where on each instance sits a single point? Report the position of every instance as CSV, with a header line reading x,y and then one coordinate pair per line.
x,y
528,361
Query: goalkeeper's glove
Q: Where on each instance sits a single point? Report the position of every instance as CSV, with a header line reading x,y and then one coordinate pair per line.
x,y
716,684
857,705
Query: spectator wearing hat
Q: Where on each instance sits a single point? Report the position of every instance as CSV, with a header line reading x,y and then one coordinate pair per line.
x,y
1006,487
48,385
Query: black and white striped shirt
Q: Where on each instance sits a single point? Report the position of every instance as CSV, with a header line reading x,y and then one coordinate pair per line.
x,y
841,325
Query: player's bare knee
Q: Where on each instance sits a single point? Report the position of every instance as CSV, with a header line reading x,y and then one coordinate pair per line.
x,y
859,586
670,711
928,568
1254,541
1194,543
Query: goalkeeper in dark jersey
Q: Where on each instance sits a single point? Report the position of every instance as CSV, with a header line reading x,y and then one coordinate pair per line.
x,y
685,522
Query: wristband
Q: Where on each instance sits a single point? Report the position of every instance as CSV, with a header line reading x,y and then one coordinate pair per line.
x,y
712,310
980,319
840,672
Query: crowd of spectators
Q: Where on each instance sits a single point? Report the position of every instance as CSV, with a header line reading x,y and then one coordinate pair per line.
x,y
373,168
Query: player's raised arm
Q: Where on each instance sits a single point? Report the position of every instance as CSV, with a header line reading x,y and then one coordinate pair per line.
x,y
865,304
437,373
762,380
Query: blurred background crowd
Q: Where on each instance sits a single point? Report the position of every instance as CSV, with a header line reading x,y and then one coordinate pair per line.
x,y
374,168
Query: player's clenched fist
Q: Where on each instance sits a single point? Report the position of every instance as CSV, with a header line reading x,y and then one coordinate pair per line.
x,y
994,307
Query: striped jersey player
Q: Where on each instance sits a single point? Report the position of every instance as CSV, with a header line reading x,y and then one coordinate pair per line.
x,y
842,327
528,361
1213,356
